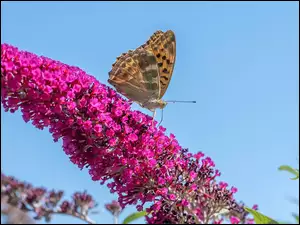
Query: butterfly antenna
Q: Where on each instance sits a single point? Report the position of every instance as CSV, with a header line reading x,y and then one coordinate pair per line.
x,y
162,116
173,101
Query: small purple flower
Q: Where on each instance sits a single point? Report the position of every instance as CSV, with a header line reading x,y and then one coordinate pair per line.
x,y
192,175
184,202
250,221
98,128
234,190
234,220
161,181
139,208
157,206
77,88
255,207
223,185
132,137
152,162
114,208
172,197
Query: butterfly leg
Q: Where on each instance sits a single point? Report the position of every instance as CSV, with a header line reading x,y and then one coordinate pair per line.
x,y
154,113
162,116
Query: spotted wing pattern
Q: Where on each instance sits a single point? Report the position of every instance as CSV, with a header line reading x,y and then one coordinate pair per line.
x,y
143,75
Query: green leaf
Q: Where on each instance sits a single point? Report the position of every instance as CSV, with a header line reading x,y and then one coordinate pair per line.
x,y
296,217
134,216
260,218
291,170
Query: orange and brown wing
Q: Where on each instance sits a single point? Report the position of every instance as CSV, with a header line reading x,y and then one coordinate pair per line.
x,y
163,46
135,75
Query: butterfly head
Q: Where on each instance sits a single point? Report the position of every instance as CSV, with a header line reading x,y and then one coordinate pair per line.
x,y
154,104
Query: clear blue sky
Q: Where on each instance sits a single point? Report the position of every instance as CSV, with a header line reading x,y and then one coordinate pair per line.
x,y
239,60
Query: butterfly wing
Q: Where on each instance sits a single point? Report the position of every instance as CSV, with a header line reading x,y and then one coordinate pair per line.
x,y
135,75
163,46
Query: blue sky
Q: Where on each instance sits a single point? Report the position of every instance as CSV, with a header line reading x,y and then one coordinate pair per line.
x,y
239,60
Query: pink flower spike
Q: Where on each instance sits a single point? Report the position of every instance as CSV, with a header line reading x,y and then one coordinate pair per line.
x,y
100,131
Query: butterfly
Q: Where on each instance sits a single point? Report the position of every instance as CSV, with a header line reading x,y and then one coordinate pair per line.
x,y
143,75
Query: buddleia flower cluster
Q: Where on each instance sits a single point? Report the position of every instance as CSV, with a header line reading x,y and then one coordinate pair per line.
x,y
119,146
